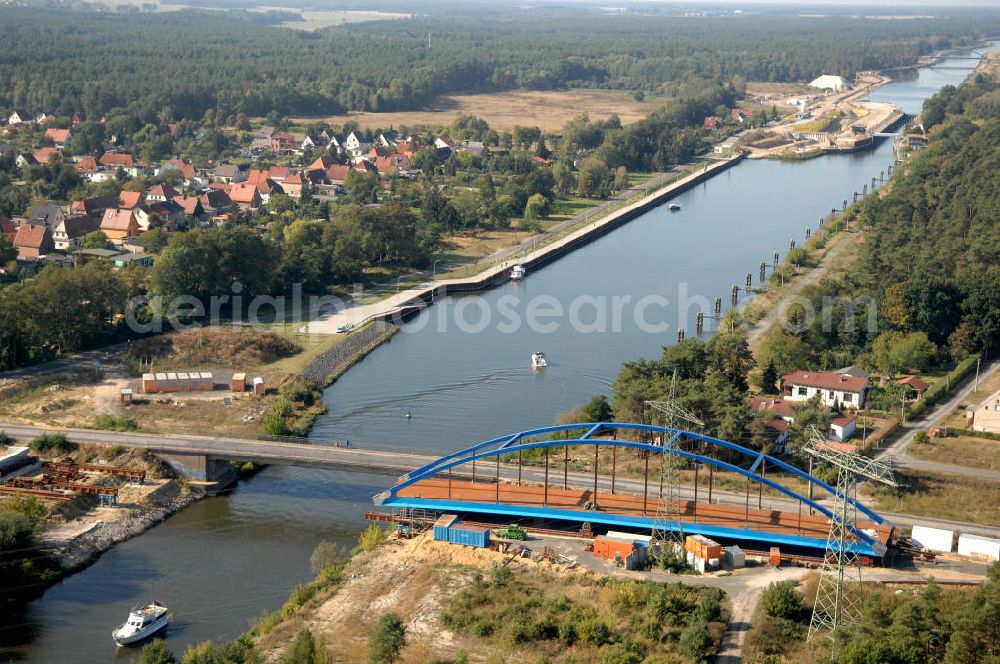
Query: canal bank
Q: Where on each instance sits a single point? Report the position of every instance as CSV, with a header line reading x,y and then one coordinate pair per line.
x,y
225,561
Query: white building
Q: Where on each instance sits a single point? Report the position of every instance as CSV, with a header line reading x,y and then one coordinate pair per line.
x,y
828,82
833,388
985,416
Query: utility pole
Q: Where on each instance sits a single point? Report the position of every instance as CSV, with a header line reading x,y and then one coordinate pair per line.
x,y
667,536
840,595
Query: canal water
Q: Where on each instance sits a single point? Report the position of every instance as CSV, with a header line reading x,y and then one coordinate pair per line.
x,y
228,560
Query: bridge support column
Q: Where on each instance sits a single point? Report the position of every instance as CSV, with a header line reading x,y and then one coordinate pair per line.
x,y
215,474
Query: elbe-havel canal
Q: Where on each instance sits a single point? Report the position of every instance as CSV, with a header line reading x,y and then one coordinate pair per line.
x,y
228,560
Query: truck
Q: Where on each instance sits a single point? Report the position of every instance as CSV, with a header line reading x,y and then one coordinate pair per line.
x,y
512,531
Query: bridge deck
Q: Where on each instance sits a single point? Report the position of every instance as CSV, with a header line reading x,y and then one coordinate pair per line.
x,y
719,519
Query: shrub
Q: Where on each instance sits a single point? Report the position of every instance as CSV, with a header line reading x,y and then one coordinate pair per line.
x,y
696,643
782,600
156,652
112,423
113,452
709,609
386,640
326,554
52,442
594,631
5,440
619,654
501,577
371,538
922,438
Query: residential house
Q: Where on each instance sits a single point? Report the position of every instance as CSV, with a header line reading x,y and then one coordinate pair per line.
x,y
185,168
282,142
161,193
46,214
355,143
44,118
712,122
842,426
216,201
337,173
322,163
391,165
245,196
312,142
25,159
914,386
85,166
278,173
94,206
266,188
228,173
160,214
833,388
741,114
443,143
333,144
986,416
45,155
386,139
134,245
8,151
123,161
294,185
19,116
32,242
59,137
192,207
130,200
119,224
262,138
69,232
476,149
84,256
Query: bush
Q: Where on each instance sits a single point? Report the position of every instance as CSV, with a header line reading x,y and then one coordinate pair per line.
x,y
113,452
782,600
502,577
5,440
156,652
386,640
326,554
921,438
696,643
371,538
709,609
594,631
113,423
52,442
619,654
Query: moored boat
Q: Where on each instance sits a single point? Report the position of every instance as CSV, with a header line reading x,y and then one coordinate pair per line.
x,y
674,207
518,272
538,360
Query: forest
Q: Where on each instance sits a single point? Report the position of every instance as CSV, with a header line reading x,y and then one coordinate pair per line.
x,y
194,61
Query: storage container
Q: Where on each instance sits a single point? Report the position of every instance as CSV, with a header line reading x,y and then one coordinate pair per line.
x,y
238,383
442,525
469,536
775,557
734,557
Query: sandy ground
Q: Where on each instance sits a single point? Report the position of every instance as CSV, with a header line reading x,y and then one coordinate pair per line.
x,y
549,110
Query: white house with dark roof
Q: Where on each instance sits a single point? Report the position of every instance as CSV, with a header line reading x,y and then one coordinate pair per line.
x,y
833,388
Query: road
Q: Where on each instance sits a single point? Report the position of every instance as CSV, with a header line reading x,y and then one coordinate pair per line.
x,y
897,450
396,462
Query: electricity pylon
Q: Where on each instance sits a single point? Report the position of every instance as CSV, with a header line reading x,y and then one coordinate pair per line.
x,y
667,536
840,595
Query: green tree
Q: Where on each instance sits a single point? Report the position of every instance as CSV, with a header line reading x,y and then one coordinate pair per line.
x,y
696,643
781,600
96,240
769,378
563,177
897,351
302,650
7,251
537,207
784,352
154,240
156,652
598,410
386,640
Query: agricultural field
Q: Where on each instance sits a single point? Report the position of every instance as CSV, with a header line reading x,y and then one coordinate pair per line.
x,y
549,110
941,496
960,450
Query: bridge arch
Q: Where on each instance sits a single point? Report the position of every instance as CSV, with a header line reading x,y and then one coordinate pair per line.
x,y
562,435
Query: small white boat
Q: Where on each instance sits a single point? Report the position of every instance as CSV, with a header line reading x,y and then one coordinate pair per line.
x,y
518,273
538,360
143,621
674,207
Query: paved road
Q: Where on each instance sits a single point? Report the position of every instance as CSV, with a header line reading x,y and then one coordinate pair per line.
x,y
897,451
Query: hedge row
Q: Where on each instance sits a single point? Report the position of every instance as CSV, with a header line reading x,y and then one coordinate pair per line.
x,y
988,435
943,388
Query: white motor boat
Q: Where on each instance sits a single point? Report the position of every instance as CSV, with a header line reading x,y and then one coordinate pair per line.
x,y
538,360
143,621
518,273
674,207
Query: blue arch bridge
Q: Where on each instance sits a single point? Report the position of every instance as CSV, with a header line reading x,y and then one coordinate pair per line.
x,y
529,475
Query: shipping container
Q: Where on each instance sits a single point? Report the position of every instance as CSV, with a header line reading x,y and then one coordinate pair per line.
x,y
605,547
125,396
734,557
629,537
149,383
171,382
469,536
982,548
258,387
702,547
775,556
442,525
183,381
239,383
206,382
933,539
